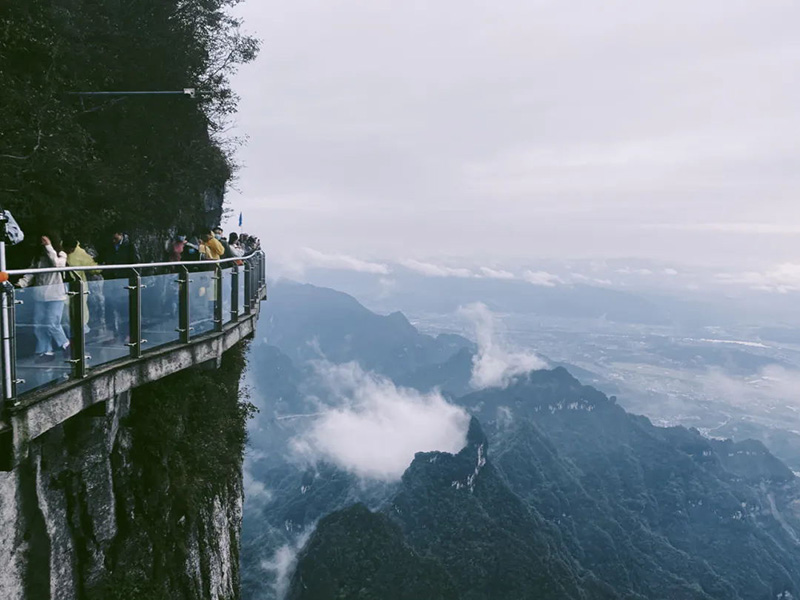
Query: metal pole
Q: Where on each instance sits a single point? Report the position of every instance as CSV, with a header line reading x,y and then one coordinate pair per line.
x,y
103,268
264,275
218,299
257,277
247,287
253,284
5,325
12,322
183,305
235,293
191,92
77,321
260,275
134,288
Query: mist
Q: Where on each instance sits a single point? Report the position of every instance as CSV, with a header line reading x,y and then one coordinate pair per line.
x,y
496,363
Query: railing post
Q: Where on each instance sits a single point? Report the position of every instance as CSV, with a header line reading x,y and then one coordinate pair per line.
x,y
264,275
260,274
235,293
77,326
8,352
134,288
183,305
247,287
218,299
253,282
256,278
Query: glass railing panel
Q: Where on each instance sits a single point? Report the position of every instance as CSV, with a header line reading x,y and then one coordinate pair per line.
x,y
226,283
160,298
202,286
109,321
42,329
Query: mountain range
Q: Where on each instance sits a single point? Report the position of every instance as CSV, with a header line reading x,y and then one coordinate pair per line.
x,y
557,493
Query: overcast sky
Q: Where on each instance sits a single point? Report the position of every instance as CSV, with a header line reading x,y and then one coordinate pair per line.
x,y
524,128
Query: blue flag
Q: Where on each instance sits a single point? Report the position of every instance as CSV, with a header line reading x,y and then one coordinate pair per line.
x,y
240,219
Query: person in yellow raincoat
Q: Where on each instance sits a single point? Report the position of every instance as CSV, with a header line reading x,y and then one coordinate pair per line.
x,y
78,257
211,247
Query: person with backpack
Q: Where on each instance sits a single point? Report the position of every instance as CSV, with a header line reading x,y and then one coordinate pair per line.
x,y
174,250
49,294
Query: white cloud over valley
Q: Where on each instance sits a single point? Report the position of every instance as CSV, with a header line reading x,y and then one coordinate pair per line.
x,y
372,428
496,364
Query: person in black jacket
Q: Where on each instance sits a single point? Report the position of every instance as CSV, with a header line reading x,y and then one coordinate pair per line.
x,y
120,251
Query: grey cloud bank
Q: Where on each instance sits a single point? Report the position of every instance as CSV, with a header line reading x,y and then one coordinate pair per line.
x,y
537,128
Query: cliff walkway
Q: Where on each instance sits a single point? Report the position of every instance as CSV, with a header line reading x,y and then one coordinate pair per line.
x,y
126,325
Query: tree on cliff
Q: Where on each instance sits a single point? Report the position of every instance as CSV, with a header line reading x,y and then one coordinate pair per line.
x,y
150,162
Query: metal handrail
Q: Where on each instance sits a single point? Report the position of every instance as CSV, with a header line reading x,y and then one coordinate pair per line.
x,y
119,267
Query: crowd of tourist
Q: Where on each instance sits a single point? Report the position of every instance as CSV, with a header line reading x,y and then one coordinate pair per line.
x,y
210,245
107,303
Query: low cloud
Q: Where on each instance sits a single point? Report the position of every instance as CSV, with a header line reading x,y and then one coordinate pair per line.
x,y
256,494
782,279
344,262
490,273
283,563
495,364
581,278
432,270
387,286
542,278
373,428
772,386
747,228
632,271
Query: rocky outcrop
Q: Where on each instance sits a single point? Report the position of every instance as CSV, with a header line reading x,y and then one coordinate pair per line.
x,y
137,498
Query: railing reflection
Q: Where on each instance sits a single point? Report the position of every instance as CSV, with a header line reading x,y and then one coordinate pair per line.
x,y
58,333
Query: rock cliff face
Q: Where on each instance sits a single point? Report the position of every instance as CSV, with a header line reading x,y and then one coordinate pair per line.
x,y
142,499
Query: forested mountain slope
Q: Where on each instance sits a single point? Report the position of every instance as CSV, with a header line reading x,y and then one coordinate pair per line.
x,y
82,164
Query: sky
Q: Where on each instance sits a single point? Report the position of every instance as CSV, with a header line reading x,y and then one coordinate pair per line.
x,y
491,130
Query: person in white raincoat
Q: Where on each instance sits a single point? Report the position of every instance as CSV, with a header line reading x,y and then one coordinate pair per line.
x,y
49,293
